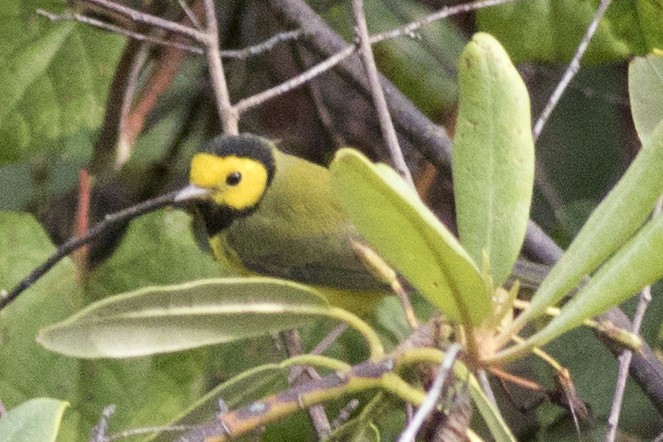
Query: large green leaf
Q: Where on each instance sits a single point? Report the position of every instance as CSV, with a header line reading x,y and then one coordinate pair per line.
x,y
166,319
27,370
636,264
34,420
54,78
645,87
407,234
493,156
608,228
551,30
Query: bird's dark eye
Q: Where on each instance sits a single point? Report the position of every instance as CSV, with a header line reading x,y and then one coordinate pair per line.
x,y
233,178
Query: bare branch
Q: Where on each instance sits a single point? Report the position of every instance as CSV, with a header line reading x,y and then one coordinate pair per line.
x,y
257,99
571,70
386,124
293,345
152,20
445,12
190,14
433,395
229,115
627,355
265,46
117,29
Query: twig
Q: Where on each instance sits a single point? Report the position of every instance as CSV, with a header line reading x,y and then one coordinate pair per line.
x,y
345,413
445,12
386,124
433,395
81,256
239,54
100,430
257,99
117,29
148,430
229,115
548,191
293,346
329,339
152,20
364,376
190,14
627,355
571,70
74,243
264,46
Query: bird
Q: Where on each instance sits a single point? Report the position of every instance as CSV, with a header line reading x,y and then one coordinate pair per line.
x,y
273,214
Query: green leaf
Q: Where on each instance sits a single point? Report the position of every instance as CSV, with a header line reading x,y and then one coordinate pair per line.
x,y
550,30
638,263
645,87
394,221
489,411
166,319
28,370
493,156
608,228
35,420
54,79
158,249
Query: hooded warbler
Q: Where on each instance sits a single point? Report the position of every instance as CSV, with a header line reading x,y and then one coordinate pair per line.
x,y
274,214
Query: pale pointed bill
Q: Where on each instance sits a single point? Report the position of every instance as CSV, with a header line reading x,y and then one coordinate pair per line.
x,y
191,192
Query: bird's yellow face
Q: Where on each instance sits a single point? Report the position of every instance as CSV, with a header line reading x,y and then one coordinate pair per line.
x,y
235,182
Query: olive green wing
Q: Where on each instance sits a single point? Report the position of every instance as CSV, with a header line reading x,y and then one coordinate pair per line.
x,y
300,231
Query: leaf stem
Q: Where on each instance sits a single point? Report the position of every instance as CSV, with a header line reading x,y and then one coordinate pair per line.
x,y
372,339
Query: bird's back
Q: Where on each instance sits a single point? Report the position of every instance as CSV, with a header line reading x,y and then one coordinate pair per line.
x,y
300,231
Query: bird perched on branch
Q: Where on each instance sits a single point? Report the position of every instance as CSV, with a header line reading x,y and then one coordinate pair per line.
x,y
274,214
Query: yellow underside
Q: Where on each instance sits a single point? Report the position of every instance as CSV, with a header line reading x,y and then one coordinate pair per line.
x,y
359,302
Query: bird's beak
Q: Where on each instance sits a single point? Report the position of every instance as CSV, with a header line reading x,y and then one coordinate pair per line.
x,y
191,192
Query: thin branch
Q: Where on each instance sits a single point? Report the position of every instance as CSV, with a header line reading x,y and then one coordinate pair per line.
x,y
410,28
148,430
433,395
239,54
81,257
190,14
74,243
229,115
257,99
627,355
386,124
571,70
264,46
301,13
293,345
152,20
117,29
101,429
345,413
364,376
